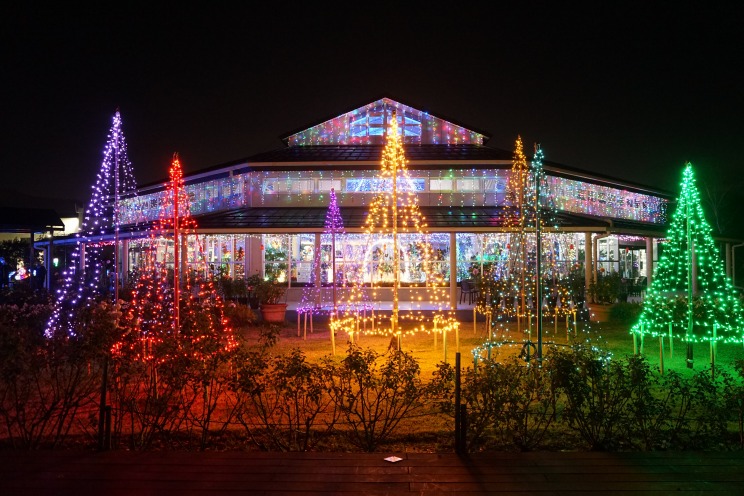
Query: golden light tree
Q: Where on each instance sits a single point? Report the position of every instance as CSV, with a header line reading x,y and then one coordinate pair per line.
x,y
398,250
530,284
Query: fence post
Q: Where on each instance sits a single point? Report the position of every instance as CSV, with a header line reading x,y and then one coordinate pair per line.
x,y
462,449
457,403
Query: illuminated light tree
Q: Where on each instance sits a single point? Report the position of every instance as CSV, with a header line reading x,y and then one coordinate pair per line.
x,y
530,285
513,294
316,300
170,316
690,295
95,268
398,243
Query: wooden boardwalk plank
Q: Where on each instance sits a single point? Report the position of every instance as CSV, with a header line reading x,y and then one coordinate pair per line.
x,y
216,473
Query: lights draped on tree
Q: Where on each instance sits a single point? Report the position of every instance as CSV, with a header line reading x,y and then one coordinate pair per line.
x,y
314,298
171,316
690,295
398,246
94,272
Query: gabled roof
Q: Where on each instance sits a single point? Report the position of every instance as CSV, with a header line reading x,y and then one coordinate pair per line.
x,y
372,153
367,125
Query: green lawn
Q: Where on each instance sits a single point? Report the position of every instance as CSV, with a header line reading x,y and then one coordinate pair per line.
x,y
428,349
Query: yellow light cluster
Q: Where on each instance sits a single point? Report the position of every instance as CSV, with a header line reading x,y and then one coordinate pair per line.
x,y
392,213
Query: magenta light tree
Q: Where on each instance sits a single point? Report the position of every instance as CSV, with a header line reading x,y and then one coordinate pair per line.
x,y
93,273
324,271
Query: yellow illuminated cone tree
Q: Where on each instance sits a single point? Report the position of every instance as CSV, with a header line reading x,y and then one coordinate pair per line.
x,y
398,248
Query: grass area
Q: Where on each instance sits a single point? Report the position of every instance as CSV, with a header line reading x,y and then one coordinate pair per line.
x,y
429,349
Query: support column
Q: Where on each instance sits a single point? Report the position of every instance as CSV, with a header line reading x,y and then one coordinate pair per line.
x,y
318,256
184,248
595,256
588,263
728,259
453,270
649,260
48,262
31,252
125,267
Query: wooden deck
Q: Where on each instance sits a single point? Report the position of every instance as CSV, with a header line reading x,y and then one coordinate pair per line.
x,y
59,473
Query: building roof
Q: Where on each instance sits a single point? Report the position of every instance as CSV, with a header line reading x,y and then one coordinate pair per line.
x,y
372,154
27,220
314,218
367,124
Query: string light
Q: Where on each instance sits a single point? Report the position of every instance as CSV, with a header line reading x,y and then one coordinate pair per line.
x,y
172,316
690,264
393,214
91,276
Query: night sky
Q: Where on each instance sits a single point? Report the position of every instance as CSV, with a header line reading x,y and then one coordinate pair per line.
x,y
625,91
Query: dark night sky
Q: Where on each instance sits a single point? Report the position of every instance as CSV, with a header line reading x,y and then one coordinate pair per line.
x,y
628,91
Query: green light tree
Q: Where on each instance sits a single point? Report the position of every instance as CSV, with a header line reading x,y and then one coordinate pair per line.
x,y
690,296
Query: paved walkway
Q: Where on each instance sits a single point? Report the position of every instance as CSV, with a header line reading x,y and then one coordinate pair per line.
x,y
60,473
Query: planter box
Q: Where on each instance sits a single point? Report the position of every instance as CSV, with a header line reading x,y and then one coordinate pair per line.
x,y
599,313
274,313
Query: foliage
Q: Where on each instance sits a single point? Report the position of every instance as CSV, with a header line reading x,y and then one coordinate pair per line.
x,y
232,289
596,390
14,251
46,384
606,289
270,292
625,313
240,315
577,283
510,403
288,398
374,394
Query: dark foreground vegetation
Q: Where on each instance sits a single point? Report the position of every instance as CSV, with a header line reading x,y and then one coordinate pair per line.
x,y
262,396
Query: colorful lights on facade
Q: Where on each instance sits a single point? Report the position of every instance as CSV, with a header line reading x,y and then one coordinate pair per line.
x,y
436,187
367,126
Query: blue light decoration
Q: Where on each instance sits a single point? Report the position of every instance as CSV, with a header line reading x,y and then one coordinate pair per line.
x,y
367,125
92,274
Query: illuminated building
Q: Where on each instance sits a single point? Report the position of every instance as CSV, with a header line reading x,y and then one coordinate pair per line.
x,y
266,214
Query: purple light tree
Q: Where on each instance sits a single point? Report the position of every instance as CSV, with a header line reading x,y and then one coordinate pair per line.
x,y
316,300
94,272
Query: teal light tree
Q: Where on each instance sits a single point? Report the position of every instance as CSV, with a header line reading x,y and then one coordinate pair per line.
x,y
690,296
94,272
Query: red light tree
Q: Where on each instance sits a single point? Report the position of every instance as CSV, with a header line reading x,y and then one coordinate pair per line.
x,y
170,315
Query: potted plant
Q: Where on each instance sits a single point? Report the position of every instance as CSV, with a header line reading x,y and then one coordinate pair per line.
x,y
604,292
269,295
252,283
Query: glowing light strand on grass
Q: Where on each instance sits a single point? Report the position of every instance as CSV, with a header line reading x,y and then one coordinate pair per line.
x,y
715,314
87,279
171,316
